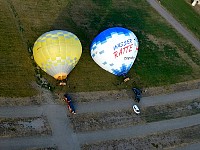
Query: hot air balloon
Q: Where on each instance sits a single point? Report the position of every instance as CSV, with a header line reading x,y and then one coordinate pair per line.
x,y
115,50
57,52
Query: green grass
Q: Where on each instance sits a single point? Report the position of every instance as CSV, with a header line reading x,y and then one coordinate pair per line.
x,y
16,70
158,62
185,13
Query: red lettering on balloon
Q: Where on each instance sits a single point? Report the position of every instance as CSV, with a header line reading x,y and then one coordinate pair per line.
x,y
115,53
130,49
123,50
120,52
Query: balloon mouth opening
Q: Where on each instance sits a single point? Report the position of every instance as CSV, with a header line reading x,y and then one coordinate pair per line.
x,y
60,76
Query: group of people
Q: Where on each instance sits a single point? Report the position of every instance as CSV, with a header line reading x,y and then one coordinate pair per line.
x,y
71,108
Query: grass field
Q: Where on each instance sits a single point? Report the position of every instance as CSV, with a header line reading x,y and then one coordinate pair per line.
x,y
188,15
164,56
17,72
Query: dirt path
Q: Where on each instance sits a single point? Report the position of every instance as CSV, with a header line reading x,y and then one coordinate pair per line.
x,y
64,137
60,125
146,101
30,142
139,130
182,30
62,133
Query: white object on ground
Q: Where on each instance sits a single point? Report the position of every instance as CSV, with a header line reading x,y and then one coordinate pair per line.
x,y
195,2
136,109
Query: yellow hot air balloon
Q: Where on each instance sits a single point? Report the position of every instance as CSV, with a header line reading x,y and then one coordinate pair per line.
x,y
57,52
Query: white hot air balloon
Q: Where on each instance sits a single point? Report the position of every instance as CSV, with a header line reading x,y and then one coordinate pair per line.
x,y
115,50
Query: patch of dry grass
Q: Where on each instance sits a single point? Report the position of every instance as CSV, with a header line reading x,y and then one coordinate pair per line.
x,y
162,140
17,127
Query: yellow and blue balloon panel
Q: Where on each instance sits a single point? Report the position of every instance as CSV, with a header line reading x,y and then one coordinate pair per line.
x,y
57,52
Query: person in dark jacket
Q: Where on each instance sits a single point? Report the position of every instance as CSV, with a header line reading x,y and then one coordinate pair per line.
x,y
70,105
137,94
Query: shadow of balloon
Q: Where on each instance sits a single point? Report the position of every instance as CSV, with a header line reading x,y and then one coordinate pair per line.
x,y
69,19
85,20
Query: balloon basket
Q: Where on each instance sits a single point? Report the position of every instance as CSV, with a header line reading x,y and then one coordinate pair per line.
x,y
126,79
62,84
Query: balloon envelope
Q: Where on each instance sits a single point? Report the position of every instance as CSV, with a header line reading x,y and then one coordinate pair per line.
x,y
57,52
115,50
